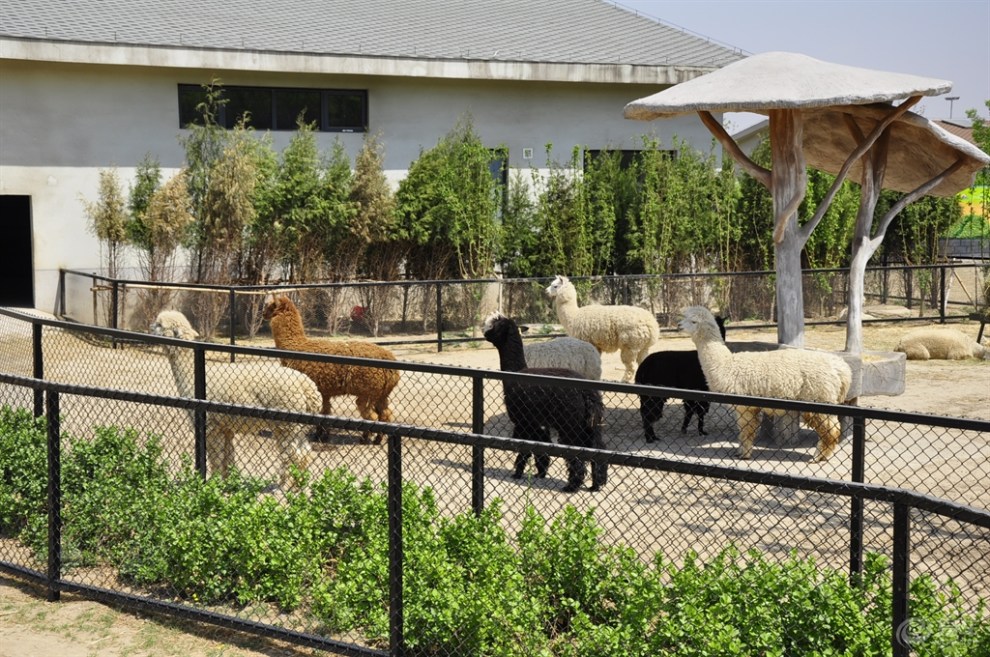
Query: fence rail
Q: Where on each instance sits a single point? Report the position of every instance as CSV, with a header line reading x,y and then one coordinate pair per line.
x,y
406,312
894,487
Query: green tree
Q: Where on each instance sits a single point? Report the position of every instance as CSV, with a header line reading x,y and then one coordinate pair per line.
x,y
377,227
448,204
562,240
108,220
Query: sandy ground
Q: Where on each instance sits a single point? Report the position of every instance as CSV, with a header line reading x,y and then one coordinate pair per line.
x,y
651,511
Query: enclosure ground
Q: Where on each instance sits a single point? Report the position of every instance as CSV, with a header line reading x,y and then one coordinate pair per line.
x,y
32,627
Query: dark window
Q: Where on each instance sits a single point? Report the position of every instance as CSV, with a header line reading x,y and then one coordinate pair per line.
x,y
256,104
291,104
347,111
273,108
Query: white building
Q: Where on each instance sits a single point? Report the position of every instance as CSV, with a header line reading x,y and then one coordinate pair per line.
x,y
95,84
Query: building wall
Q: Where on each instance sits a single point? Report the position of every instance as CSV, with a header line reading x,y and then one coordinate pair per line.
x,y
61,123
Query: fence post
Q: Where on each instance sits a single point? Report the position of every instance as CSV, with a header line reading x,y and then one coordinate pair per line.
x,y
54,498
439,319
477,451
199,414
38,368
61,294
395,611
231,303
943,300
856,508
900,637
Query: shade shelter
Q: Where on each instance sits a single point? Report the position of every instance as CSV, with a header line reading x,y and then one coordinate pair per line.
x,y
840,119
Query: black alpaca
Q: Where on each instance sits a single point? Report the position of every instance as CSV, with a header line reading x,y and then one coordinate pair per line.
x,y
673,369
576,415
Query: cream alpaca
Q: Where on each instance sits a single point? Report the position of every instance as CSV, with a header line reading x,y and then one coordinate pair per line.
x,y
797,374
263,385
940,343
627,329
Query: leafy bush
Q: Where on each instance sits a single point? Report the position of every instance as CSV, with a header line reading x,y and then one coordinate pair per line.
x,y
469,586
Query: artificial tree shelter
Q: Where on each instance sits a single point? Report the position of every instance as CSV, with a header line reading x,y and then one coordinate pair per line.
x,y
840,119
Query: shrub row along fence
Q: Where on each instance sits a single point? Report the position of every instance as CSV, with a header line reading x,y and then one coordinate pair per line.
x,y
403,312
427,544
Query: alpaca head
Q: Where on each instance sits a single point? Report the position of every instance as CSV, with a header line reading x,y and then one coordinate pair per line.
x,y
698,322
277,305
173,324
498,329
558,286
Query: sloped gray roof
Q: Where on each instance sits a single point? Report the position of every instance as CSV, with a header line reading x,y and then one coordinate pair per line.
x,y
543,31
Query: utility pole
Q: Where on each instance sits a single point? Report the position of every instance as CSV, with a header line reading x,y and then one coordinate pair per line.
x,y
952,100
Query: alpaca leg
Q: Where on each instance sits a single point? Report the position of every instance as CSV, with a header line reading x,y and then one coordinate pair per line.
x,y
294,449
749,424
321,432
828,430
701,409
367,410
576,471
650,410
689,411
629,360
384,415
599,469
542,460
522,457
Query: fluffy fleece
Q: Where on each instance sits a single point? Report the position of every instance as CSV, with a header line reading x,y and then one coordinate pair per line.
x,y
371,386
940,343
627,329
247,384
782,374
567,353
673,369
575,414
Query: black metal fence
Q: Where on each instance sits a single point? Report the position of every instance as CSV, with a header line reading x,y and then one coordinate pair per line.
x,y
448,312
913,488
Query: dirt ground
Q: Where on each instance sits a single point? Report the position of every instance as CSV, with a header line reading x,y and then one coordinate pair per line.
x,y
31,627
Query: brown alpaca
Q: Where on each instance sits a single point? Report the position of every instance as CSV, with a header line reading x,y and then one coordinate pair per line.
x,y
370,385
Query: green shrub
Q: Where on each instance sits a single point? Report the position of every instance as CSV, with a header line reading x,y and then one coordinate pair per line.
x,y
23,469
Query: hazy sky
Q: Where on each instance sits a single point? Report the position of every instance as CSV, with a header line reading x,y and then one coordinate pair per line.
x,y
943,39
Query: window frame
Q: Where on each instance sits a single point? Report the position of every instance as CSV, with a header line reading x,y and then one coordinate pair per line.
x,y
197,92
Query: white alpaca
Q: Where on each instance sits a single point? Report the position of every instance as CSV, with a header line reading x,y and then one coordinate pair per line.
x,y
786,373
627,329
567,353
245,384
940,343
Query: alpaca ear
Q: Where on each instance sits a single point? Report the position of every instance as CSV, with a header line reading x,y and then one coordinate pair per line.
x,y
523,328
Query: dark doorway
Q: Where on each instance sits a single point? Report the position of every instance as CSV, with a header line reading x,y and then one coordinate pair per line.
x,y
16,262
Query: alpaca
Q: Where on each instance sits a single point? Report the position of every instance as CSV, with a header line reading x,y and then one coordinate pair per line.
x,y
567,353
940,343
371,386
782,374
575,414
627,329
246,384
673,369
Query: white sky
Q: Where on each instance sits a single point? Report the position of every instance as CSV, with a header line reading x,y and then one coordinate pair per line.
x,y
943,39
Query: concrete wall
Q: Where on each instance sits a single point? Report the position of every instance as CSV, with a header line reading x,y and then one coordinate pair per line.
x,y
61,123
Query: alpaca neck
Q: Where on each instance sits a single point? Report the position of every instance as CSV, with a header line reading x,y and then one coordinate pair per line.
x,y
711,351
566,305
182,371
287,329
510,355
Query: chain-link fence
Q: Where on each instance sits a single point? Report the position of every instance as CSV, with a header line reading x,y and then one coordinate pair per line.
x,y
446,312
427,544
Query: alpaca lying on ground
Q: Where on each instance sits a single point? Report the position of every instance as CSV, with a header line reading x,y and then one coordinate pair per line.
x,y
627,329
673,369
264,385
576,415
940,343
782,374
371,386
567,353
